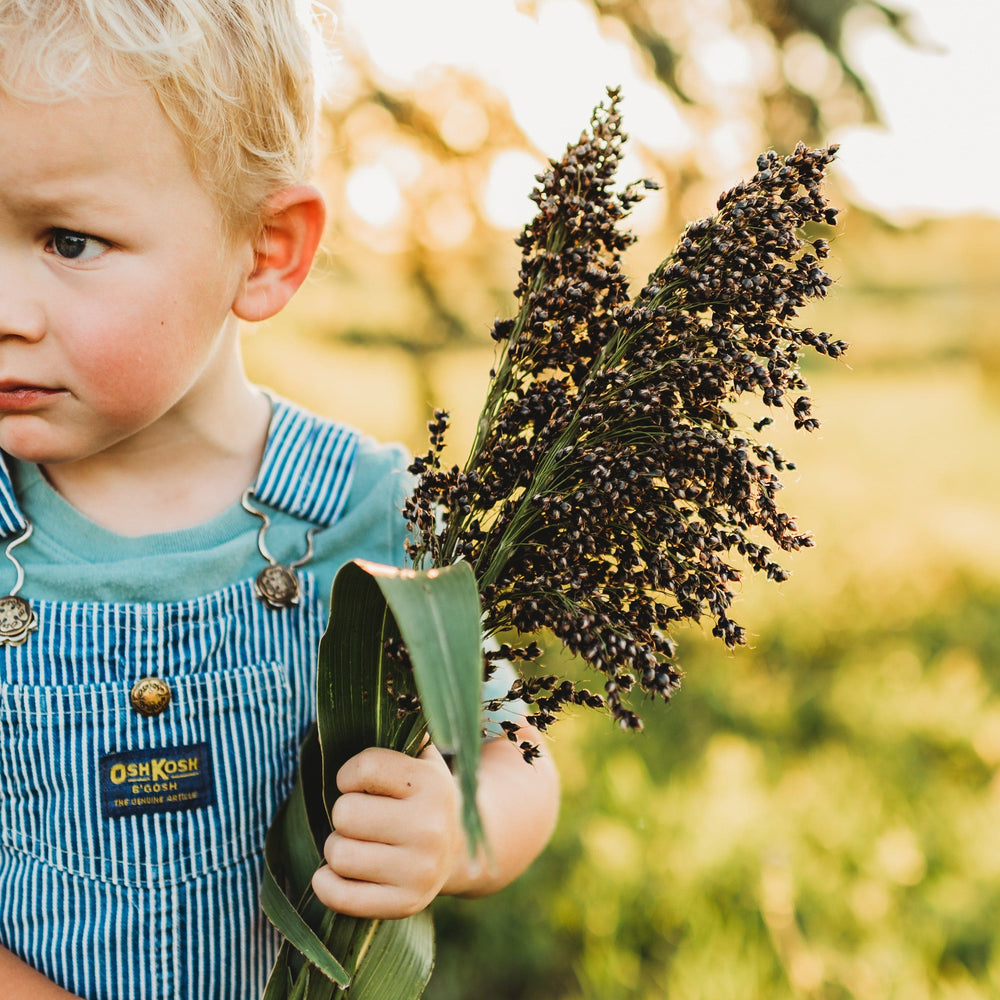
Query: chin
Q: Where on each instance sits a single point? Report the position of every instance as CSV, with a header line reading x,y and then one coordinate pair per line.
x,y
41,449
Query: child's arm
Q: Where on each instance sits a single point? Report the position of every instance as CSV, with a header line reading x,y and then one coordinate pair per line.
x,y
399,839
19,981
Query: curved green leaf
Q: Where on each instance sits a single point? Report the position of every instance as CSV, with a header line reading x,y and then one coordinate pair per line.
x,y
437,614
282,912
398,961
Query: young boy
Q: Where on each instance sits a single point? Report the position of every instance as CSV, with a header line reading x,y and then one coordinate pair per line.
x,y
152,695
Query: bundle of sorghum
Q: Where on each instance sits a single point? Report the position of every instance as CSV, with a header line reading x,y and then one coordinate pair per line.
x,y
610,488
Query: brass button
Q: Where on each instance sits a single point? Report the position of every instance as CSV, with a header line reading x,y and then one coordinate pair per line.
x,y
150,696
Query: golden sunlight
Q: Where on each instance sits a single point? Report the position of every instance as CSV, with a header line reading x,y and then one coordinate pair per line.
x,y
551,61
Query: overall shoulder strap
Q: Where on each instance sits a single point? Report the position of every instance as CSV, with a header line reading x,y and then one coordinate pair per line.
x,y
12,521
308,464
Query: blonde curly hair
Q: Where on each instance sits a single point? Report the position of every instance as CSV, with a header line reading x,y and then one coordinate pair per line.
x,y
236,78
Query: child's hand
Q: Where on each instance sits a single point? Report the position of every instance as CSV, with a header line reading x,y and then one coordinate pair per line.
x,y
397,835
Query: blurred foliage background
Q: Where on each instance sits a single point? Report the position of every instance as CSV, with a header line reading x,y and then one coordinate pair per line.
x,y
816,815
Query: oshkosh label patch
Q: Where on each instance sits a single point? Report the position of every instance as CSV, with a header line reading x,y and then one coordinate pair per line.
x,y
158,779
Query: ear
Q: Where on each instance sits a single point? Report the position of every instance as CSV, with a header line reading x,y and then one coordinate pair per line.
x,y
290,232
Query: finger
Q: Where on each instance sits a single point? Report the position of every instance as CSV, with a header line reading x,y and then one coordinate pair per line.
x,y
364,899
362,816
379,772
362,860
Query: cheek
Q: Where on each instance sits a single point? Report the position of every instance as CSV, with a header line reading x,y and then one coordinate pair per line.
x,y
144,329
129,381
118,349
142,347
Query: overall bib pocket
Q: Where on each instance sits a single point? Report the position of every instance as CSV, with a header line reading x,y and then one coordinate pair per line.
x,y
91,787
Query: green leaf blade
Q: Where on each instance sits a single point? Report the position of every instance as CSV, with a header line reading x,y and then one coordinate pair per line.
x,y
398,961
284,914
438,613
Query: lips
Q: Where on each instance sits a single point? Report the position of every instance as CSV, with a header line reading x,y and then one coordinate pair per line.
x,y
18,397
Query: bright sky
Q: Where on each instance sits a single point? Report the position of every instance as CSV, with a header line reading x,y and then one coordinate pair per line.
x,y
939,153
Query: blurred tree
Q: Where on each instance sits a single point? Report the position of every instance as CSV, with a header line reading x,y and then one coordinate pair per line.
x,y
797,105
417,265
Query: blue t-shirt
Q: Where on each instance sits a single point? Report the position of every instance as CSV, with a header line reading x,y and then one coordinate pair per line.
x,y
70,558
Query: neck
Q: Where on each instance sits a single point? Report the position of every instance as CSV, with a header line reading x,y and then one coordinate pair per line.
x,y
197,464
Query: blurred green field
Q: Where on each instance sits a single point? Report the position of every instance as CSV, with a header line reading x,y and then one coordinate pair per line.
x,y
816,815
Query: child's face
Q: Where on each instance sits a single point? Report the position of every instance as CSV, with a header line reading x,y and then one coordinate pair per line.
x,y
116,284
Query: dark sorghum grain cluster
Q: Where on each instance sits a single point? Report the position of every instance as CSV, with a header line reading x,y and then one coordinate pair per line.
x,y
610,488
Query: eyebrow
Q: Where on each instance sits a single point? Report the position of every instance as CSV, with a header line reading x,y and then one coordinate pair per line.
x,y
67,202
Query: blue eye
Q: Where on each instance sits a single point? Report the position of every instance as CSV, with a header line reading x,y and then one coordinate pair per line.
x,y
76,246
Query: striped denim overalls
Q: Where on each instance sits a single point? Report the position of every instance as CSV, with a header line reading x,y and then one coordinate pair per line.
x,y
131,846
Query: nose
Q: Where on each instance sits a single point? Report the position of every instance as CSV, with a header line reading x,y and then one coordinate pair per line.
x,y
22,313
